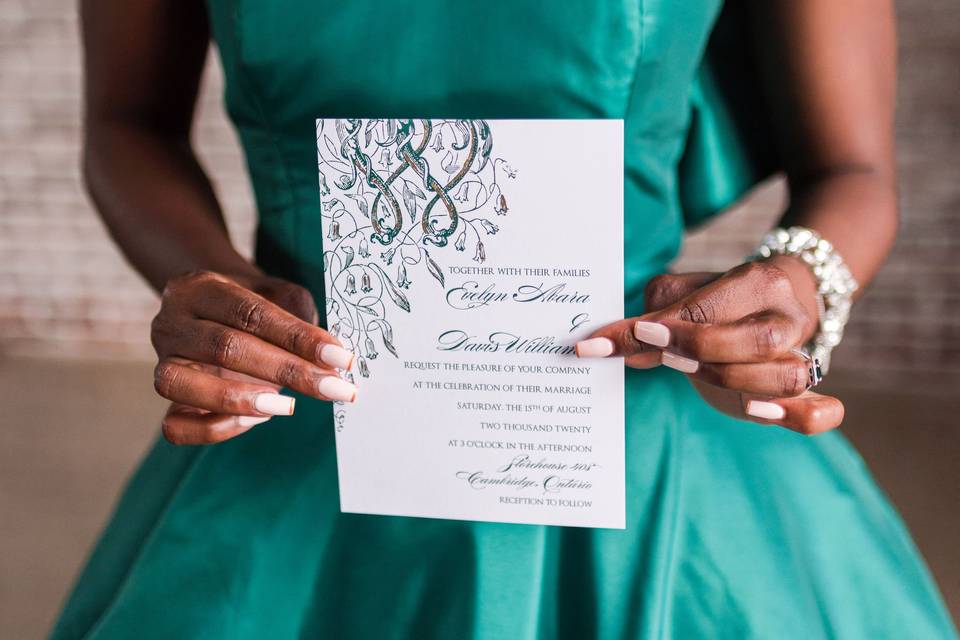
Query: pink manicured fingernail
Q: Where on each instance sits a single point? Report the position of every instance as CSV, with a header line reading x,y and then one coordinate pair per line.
x,y
594,348
249,421
672,360
336,357
274,404
337,389
652,333
765,410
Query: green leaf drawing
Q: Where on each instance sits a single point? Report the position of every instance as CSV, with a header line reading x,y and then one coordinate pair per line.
x,y
416,190
361,202
368,131
410,201
386,332
395,294
449,163
334,151
434,268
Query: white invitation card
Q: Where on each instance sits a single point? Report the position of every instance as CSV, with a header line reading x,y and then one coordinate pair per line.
x,y
463,260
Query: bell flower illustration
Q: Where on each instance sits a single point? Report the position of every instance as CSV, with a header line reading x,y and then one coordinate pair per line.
x,y
362,367
437,142
364,250
334,232
461,242
489,227
347,256
386,161
463,193
387,256
481,255
501,207
371,349
402,280
351,287
365,283
324,189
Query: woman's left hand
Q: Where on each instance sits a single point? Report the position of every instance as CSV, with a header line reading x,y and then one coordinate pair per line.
x,y
733,333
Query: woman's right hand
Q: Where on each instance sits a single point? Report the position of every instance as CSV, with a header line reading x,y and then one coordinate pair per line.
x,y
227,344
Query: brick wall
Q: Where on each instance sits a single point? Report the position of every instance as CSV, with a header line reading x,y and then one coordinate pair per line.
x,y
64,287
65,290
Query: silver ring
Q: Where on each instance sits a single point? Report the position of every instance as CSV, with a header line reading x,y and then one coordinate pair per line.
x,y
814,371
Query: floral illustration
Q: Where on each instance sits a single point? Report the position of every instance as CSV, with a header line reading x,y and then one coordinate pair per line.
x,y
395,196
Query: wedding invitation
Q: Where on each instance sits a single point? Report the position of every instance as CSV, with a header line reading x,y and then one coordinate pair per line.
x,y
463,260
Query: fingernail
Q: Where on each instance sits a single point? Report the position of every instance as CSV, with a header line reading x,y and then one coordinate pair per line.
x,y
594,348
249,421
765,410
274,404
652,333
337,389
336,357
672,360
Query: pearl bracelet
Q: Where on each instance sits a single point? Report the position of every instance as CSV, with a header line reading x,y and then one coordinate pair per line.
x,y
835,283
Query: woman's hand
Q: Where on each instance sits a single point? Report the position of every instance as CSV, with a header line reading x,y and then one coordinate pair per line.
x,y
734,335
227,344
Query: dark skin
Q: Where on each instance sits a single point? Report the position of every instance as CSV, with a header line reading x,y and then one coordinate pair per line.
x,y
228,336
830,75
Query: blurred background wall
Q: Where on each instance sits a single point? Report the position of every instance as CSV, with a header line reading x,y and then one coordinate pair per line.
x,y
75,370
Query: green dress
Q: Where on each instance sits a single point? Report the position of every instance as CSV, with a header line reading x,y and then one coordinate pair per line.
x,y
734,530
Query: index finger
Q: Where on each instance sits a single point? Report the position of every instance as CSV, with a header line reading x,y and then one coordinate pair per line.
x,y
759,337
618,339
230,304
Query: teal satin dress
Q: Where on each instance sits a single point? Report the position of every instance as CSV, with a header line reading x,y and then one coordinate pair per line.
x,y
733,530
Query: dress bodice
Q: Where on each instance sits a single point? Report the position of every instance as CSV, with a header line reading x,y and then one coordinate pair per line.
x,y
288,62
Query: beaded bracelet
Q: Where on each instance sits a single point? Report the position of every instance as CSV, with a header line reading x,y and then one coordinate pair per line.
x,y
835,283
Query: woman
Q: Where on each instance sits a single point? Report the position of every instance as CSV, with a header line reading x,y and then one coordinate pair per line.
x,y
734,529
